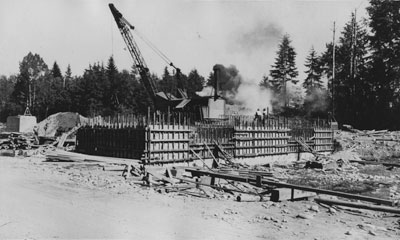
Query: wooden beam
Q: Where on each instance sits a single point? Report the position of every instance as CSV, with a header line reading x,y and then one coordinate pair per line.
x,y
375,163
358,205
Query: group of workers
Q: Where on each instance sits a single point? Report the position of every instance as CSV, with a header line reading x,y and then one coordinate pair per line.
x,y
261,116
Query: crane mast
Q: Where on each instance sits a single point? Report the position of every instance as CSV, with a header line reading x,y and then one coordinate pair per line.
x,y
125,28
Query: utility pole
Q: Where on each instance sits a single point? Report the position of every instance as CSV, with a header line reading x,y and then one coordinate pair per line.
x,y
353,67
355,44
333,72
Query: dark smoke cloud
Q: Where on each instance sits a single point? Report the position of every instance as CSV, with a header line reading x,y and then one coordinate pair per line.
x,y
261,36
229,80
246,95
317,101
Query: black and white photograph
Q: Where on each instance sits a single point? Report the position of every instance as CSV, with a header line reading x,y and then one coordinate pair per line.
x,y
200,119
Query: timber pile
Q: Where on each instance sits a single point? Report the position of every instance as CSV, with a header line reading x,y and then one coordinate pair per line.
x,y
16,141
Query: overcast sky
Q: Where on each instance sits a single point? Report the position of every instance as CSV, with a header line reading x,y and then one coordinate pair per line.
x,y
193,34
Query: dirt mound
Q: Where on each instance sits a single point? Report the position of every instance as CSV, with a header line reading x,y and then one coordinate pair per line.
x,y
58,123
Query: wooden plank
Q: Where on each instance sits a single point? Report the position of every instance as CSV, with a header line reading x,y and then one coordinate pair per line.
x,y
375,163
358,205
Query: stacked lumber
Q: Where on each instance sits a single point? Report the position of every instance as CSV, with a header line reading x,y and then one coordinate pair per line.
x,y
61,155
16,141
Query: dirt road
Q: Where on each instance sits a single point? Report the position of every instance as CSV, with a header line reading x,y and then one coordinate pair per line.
x,y
41,200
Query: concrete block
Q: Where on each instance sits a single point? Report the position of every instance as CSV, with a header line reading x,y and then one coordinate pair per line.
x,y
21,123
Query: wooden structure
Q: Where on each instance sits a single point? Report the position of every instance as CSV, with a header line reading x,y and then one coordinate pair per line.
x,y
173,137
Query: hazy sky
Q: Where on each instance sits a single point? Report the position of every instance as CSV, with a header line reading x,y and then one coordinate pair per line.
x,y
193,34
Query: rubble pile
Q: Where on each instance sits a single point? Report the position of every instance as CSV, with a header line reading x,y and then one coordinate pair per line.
x,y
370,145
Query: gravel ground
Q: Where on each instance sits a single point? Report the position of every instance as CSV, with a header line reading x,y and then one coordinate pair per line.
x,y
58,200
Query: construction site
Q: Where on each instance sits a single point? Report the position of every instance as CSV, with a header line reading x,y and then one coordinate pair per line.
x,y
195,167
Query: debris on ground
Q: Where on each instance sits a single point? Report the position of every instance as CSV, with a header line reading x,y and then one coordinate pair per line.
x,y
327,179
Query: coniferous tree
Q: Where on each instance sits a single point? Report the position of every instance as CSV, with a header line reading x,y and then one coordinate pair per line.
x,y
210,79
385,61
352,90
313,80
55,71
7,107
284,69
265,83
67,77
112,85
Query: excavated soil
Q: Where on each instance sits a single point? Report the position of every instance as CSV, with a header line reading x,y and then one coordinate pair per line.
x,y
59,123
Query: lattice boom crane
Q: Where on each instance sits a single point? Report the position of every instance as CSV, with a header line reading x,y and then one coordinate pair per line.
x,y
125,28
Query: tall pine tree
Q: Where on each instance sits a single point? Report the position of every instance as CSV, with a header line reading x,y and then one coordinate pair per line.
x,y
352,91
385,71
55,71
313,80
284,69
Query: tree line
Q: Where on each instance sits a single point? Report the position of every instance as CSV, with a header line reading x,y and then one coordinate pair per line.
x,y
364,93
100,90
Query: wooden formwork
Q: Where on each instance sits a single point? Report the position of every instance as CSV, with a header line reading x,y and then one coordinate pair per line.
x,y
167,137
113,142
205,136
167,143
323,139
260,141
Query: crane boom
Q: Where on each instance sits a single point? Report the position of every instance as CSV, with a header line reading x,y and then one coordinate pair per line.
x,y
125,28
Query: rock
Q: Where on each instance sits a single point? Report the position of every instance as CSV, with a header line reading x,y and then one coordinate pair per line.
x,y
314,208
273,219
371,233
285,211
304,216
274,204
348,233
332,210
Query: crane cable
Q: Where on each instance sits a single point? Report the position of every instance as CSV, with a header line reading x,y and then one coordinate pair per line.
x,y
155,49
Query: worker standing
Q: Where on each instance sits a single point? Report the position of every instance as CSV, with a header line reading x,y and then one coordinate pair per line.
x,y
264,115
258,115
36,134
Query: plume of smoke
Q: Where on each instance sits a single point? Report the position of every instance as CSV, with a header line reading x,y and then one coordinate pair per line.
x,y
316,101
294,98
253,97
261,36
229,80
248,95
